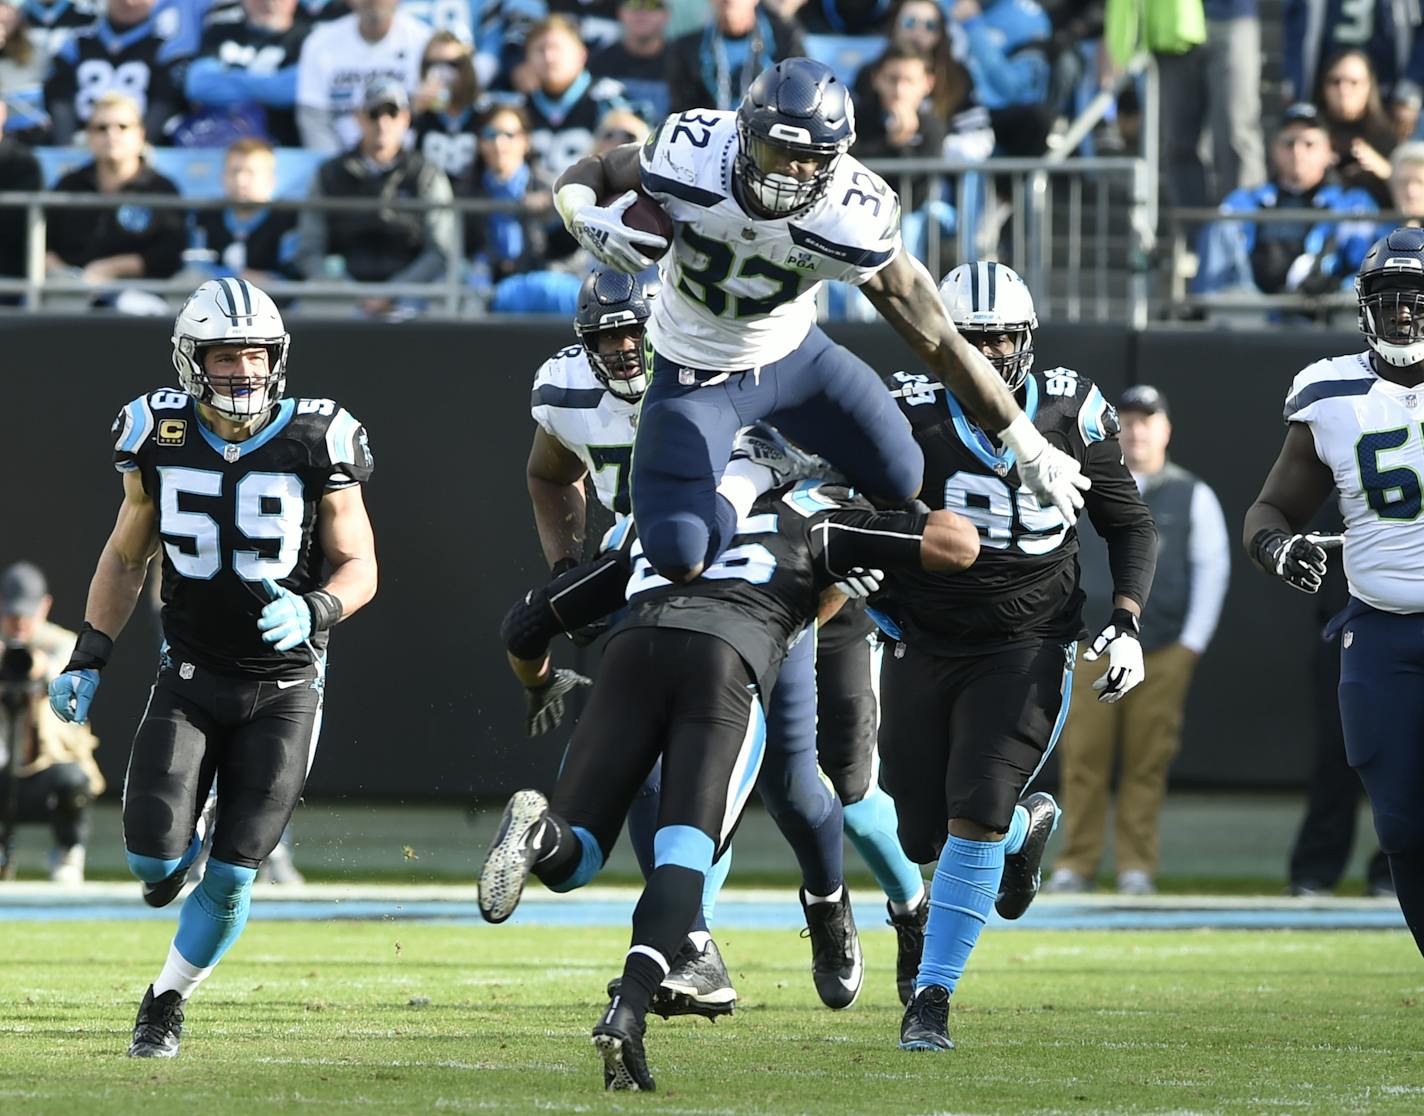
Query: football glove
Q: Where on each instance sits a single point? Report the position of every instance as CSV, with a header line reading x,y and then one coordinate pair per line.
x,y
286,620
1050,474
1124,650
860,583
71,694
601,230
1298,560
546,702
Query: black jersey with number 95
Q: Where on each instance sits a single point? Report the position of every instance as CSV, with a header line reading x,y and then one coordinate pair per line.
x,y
233,513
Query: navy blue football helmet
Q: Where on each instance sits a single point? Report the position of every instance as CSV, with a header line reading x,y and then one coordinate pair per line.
x,y
611,305
797,111
1390,290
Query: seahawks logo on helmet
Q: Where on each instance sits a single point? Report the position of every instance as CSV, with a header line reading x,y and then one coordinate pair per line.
x,y
1390,292
613,309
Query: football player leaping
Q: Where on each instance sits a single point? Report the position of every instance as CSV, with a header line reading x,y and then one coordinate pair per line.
x,y
252,496
1353,425
987,654
767,204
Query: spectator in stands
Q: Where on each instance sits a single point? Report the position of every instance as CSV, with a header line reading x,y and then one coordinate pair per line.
x,y
32,33
638,61
119,53
54,761
19,170
1007,58
596,20
244,78
342,57
446,105
1214,86
898,120
508,251
1320,253
379,245
1143,731
837,17
1406,182
127,241
567,103
619,126
1361,132
1390,34
712,68
919,25
247,239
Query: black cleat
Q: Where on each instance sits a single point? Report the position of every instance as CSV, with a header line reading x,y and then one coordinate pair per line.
x,y
697,984
159,1026
1022,874
618,1037
836,962
926,1022
163,892
909,946
512,856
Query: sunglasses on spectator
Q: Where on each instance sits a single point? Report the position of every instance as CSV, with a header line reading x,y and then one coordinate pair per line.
x,y
111,126
383,110
917,23
492,133
617,135
643,5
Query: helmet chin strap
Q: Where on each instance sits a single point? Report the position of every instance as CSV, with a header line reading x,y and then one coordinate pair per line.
x,y
1400,356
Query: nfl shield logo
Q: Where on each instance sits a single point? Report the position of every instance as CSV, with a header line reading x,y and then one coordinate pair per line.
x,y
231,452
1411,400
1349,638
185,671
687,376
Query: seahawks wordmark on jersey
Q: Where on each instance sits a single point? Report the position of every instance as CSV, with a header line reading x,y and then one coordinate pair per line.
x,y
589,421
1024,584
1370,433
233,513
739,291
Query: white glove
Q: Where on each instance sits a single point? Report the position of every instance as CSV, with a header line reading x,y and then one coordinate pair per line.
x,y
1050,474
1125,670
601,230
861,583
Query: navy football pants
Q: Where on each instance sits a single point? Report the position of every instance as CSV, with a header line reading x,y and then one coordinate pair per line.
x,y
821,396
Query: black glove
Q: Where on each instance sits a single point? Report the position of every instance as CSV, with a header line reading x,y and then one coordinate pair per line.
x,y
587,634
546,702
1298,560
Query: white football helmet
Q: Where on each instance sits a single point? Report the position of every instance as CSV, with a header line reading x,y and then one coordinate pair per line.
x,y
987,297
230,312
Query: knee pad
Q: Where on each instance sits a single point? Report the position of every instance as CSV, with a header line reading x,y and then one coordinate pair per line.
x,y
676,544
1399,833
151,869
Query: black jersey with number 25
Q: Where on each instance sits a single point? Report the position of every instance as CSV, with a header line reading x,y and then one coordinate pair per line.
x,y
233,513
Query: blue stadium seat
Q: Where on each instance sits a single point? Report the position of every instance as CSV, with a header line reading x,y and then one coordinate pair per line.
x,y
197,171
845,54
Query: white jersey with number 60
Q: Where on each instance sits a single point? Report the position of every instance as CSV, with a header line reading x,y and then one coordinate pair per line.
x,y
739,291
1370,433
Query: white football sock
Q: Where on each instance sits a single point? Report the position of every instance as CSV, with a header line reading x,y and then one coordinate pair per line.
x,y
701,939
179,975
742,482
909,905
833,897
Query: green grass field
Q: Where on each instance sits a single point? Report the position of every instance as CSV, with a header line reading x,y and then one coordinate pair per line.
x,y
400,1017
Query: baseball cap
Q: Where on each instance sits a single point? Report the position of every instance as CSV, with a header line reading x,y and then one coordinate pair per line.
x,y
1302,112
1144,398
382,92
22,590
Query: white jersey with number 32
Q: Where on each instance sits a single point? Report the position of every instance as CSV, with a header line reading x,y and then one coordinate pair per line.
x,y
589,421
739,291
1370,433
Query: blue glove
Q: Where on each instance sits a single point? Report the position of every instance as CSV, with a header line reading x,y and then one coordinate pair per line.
x,y
286,621
71,694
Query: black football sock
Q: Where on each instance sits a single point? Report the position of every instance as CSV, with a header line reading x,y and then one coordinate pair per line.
x,y
1408,872
660,923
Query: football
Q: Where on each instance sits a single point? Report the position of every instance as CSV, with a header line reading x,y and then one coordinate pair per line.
x,y
646,215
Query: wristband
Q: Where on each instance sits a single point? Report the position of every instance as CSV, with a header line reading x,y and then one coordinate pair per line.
x,y
568,200
1260,541
1124,621
325,609
91,650
1023,438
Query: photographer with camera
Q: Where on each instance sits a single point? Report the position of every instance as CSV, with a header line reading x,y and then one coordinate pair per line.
x,y
47,769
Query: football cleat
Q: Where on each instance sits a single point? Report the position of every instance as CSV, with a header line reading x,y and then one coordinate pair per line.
x,y
512,856
159,1026
1023,870
163,892
926,1022
697,984
909,946
837,965
618,1037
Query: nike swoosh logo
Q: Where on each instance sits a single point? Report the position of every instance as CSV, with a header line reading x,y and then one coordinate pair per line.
x,y
289,684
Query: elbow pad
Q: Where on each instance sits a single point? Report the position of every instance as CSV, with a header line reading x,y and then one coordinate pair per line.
x,y
527,627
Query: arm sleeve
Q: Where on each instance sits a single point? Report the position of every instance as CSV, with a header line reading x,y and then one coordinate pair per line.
x,y
580,596
849,537
1209,559
1122,519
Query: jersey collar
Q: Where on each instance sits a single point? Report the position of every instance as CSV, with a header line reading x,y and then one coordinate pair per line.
x,y
977,442
235,451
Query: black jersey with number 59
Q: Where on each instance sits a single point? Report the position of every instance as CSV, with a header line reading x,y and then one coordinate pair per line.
x,y
1024,584
233,513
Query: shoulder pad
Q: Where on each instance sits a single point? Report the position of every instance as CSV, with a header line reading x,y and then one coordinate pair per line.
x,y
684,157
566,380
345,450
1327,379
859,224
135,423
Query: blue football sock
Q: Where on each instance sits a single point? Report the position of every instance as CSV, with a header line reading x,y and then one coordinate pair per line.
x,y
215,913
711,887
1018,831
873,828
589,865
966,883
